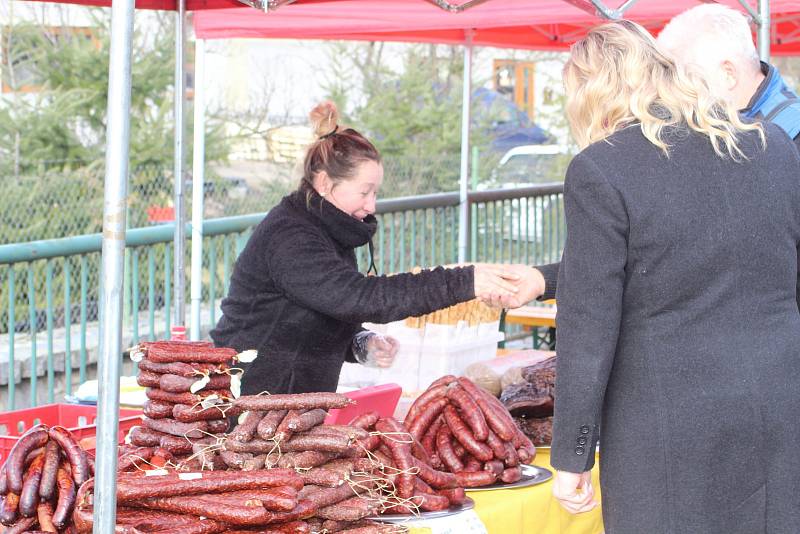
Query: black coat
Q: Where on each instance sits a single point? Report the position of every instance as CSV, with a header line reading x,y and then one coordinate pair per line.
x,y
296,296
679,334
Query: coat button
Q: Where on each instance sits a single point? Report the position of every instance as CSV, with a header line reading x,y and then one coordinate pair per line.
x,y
582,440
579,450
584,429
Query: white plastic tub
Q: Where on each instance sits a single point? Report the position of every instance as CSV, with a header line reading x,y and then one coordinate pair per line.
x,y
426,354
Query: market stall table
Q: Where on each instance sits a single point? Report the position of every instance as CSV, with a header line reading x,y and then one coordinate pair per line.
x,y
534,317
534,510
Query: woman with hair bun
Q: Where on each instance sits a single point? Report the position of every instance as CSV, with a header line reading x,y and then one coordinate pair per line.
x,y
296,294
678,324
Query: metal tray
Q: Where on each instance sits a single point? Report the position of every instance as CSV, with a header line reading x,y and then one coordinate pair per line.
x,y
531,475
468,504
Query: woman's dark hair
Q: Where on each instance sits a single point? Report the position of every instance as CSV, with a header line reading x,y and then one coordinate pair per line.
x,y
336,151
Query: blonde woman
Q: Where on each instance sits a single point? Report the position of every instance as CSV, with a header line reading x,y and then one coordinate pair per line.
x,y
679,332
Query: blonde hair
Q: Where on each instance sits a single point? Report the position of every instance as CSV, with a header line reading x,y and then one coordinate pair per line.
x,y
616,76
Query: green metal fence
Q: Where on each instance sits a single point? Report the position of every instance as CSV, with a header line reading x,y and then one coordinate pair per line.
x,y
49,313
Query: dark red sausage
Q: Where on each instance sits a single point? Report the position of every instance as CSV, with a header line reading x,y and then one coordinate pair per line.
x,y
269,423
245,430
320,476
469,411
304,459
284,431
9,510
190,414
170,426
444,447
307,420
472,464
431,503
29,498
175,444
293,401
398,443
52,457
66,498
15,463
146,379
436,479
325,443
144,437
181,353
478,449
158,409
351,509
426,416
187,398
432,393
180,384
429,439
74,453
475,479
23,525
495,466
511,459
278,499
510,475
365,420
131,458
497,417
44,514
131,487
217,426
235,460
497,445
194,370
456,496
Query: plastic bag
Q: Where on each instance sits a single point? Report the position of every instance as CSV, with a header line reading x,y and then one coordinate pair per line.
x,y
489,374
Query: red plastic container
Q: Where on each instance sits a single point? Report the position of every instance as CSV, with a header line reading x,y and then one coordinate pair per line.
x,y
382,399
78,418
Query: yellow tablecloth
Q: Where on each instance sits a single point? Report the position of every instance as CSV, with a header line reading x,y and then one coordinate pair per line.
x,y
533,510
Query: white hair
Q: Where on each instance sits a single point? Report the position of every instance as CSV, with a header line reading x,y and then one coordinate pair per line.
x,y
707,35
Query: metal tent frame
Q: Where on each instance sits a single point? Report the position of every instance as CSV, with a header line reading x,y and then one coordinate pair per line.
x,y
116,192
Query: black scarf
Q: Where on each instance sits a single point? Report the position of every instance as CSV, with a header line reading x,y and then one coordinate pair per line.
x,y
345,229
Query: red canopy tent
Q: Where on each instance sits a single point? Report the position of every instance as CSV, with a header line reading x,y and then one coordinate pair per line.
x,y
539,25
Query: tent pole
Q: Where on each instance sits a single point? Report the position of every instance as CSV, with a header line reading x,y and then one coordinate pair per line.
x,y
763,30
112,259
463,207
178,172
198,186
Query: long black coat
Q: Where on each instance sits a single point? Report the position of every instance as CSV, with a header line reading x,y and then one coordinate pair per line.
x,y
296,296
679,334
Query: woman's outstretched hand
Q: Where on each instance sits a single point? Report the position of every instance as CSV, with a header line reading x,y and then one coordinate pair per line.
x,y
494,282
528,282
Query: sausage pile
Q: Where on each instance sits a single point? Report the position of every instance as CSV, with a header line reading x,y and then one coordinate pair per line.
x,y
203,502
410,483
184,381
467,432
39,480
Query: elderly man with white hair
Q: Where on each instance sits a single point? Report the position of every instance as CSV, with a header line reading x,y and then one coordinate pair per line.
x,y
716,41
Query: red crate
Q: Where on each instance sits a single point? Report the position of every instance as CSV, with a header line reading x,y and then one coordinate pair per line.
x,y
381,398
78,418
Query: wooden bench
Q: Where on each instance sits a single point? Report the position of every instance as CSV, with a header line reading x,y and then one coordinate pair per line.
x,y
534,318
